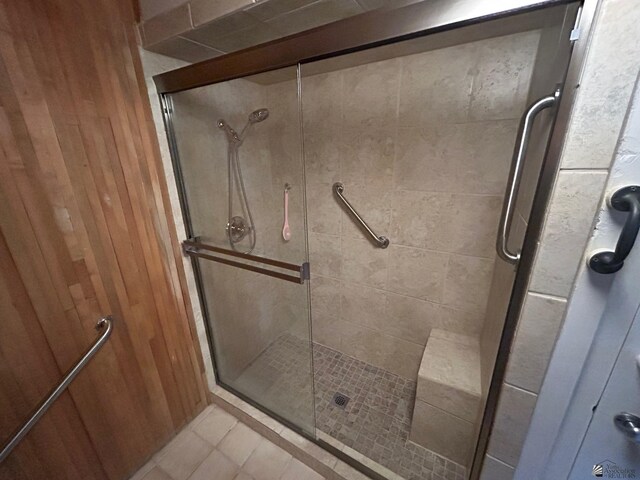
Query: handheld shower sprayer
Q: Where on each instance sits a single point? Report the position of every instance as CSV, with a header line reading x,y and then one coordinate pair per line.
x,y
237,227
258,115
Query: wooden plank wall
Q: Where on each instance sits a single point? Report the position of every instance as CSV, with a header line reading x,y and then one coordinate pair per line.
x,y
86,230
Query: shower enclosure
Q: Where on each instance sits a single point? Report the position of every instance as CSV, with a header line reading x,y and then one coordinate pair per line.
x,y
344,242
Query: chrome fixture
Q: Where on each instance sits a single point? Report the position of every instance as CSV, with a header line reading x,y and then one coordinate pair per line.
x,y
626,199
522,142
379,240
629,425
231,133
106,324
237,227
259,115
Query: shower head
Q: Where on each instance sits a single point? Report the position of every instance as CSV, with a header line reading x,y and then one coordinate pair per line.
x,y
258,115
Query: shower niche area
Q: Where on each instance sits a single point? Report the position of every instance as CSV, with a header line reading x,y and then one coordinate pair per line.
x,y
343,212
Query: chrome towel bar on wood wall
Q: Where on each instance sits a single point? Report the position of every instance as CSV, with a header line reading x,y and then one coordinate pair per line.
x,y
105,324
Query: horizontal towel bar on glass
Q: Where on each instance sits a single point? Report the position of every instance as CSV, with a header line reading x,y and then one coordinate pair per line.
x,y
379,240
105,324
192,248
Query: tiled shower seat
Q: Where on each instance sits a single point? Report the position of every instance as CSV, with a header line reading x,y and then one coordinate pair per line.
x,y
448,396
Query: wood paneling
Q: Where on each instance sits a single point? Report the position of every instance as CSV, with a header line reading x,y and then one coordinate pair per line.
x,y
86,230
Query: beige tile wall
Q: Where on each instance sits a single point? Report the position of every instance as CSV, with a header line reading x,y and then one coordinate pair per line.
x,y
422,145
426,170
594,129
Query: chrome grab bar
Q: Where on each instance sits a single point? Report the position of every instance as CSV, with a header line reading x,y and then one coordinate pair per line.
x,y
105,323
382,242
522,142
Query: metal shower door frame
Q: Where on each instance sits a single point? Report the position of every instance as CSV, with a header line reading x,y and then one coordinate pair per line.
x,y
166,107
378,28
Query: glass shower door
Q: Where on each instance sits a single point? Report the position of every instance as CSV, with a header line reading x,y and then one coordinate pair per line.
x,y
237,151
408,153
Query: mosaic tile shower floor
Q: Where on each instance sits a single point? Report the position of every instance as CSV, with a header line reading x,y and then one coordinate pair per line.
x,y
376,420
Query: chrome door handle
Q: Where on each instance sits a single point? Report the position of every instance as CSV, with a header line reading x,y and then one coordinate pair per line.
x,y
626,199
629,425
522,142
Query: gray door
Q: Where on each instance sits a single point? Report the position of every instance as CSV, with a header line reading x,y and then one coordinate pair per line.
x,y
611,446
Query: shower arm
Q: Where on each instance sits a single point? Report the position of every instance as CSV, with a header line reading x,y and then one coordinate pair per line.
x,y
380,241
522,142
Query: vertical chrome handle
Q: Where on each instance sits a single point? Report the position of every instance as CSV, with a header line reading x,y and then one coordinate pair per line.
x,y
519,152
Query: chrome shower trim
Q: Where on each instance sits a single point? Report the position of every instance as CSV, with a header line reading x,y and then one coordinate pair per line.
x,y
231,133
236,227
259,115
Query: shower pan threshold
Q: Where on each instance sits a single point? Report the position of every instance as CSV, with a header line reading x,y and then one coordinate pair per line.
x,y
373,428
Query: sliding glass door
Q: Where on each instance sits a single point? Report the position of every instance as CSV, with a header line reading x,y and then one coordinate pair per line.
x,y
237,149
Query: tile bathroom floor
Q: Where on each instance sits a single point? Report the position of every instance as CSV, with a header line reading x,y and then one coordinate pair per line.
x,y
376,420
217,446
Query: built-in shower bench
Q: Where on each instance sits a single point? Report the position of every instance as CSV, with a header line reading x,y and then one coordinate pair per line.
x,y
448,395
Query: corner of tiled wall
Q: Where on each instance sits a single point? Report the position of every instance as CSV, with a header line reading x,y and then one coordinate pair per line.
x,y
168,32
596,119
201,29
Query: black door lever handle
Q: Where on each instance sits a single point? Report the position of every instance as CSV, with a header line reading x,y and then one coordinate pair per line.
x,y
626,199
